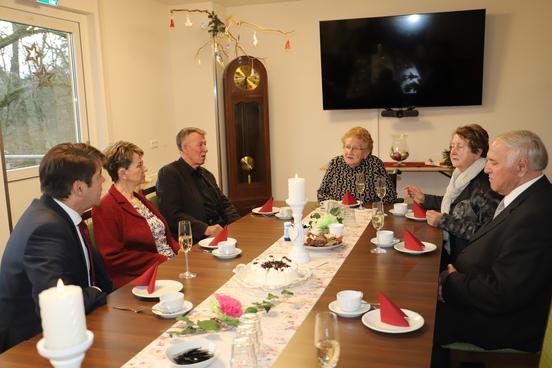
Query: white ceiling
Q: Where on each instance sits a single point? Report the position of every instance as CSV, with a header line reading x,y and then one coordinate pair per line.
x,y
223,2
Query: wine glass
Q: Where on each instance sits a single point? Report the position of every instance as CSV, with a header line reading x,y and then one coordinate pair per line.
x,y
381,187
378,219
326,339
399,148
360,185
186,241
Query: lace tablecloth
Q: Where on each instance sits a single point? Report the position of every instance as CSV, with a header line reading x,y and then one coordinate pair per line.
x,y
283,320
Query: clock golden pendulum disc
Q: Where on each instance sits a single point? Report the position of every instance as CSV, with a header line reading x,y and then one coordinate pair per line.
x,y
247,163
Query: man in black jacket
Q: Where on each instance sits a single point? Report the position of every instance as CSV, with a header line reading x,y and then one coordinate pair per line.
x,y
497,293
187,191
46,244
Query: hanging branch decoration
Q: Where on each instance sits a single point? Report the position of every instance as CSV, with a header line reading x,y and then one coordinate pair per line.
x,y
222,36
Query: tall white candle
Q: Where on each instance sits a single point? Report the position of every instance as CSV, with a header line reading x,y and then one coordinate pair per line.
x,y
62,313
296,189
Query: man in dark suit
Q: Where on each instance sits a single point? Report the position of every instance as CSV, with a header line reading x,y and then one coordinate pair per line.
x,y
497,293
187,191
46,244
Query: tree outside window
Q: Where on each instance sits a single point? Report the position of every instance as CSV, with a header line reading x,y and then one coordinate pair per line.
x,y
38,99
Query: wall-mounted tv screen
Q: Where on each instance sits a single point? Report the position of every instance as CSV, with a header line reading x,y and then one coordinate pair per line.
x,y
433,59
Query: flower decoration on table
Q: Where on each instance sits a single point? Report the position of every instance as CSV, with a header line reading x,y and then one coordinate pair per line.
x,y
223,34
227,311
322,222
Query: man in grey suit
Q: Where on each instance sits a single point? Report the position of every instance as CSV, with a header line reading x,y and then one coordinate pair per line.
x,y
46,244
497,293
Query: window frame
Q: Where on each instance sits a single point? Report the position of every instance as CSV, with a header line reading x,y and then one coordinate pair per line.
x,y
72,24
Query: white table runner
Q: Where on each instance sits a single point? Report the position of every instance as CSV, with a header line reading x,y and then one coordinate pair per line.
x,y
282,321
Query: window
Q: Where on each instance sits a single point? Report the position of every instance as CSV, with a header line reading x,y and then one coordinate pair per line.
x,y
39,93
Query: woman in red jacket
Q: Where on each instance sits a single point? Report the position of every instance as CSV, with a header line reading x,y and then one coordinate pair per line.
x,y
131,234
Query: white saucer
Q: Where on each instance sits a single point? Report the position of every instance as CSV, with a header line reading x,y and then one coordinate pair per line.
x,y
395,241
161,287
204,243
334,307
410,215
372,320
217,253
392,211
428,247
185,309
283,217
257,211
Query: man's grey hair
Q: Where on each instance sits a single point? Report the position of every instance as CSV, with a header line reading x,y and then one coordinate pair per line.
x,y
182,134
523,143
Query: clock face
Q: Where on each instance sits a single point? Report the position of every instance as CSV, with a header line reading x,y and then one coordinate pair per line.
x,y
246,78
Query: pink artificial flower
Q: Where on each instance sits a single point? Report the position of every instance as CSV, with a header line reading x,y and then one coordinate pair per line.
x,y
229,306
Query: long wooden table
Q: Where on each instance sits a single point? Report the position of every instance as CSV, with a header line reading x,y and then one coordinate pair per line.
x,y
411,281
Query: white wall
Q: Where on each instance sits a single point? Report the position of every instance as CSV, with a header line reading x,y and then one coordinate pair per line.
x,y
135,48
517,83
193,80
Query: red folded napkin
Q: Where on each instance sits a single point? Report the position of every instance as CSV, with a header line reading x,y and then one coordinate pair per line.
x,y
390,313
223,235
418,210
348,198
148,278
267,207
411,242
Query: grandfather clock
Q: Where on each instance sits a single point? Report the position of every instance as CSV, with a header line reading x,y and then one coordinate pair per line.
x,y
247,133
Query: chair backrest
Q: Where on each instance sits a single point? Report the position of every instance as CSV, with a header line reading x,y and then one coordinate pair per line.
x,y
154,200
546,351
91,232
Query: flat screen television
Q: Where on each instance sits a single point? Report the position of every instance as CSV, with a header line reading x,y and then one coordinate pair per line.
x,y
432,59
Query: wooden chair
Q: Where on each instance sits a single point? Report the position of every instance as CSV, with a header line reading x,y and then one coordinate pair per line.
x,y
464,355
469,355
546,351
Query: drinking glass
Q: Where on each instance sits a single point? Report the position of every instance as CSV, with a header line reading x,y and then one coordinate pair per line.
x,y
360,186
399,148
243,353
326,339
378,219
186,241
381,187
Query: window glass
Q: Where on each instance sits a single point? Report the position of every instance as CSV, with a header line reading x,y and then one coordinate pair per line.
x,y
38,99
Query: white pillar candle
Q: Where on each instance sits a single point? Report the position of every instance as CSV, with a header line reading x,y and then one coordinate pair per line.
x,y
63,318
296,189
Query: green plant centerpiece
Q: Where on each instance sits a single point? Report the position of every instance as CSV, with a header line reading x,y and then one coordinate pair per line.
x,y
446,158
321,222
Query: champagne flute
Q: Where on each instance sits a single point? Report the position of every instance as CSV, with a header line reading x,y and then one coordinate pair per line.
x,y
378,219
381,187
326,339
186,241
360,186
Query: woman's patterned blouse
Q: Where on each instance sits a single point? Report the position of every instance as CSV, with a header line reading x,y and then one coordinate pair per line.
x,y
340,177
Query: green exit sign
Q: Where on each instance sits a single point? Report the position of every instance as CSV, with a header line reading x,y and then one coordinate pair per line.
x,y
48,2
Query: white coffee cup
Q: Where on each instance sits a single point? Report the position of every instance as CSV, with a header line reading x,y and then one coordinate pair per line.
x,y
336,229
349,300
227,246
285,212
170,302
384,237
400,208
